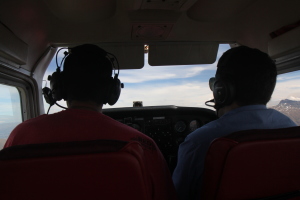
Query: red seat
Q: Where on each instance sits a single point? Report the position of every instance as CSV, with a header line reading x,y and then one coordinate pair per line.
x,y
99,169
254,164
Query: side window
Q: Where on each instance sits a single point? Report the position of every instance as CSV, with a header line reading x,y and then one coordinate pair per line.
x,y
286,96
10,111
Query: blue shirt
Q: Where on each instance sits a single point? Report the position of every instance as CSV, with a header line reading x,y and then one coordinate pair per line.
x,y
187,176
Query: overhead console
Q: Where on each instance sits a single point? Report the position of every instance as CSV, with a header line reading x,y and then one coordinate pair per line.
x,y
166,125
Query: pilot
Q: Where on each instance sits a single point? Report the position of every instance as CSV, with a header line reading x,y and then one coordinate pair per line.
x,y
86,83
243,85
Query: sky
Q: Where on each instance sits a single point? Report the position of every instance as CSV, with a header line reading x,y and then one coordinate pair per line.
x,y
287,87
160,85
10,104
178,85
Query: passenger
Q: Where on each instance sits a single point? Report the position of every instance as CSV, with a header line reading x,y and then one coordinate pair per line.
x,y
244,82
86,80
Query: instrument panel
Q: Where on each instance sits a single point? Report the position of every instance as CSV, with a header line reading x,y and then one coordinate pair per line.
x,y
166,125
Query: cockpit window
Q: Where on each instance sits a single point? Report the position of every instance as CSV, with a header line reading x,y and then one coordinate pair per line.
x,y
187,85
10,111
286,96
181,85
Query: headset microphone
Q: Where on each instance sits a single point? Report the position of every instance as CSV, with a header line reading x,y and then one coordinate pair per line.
x,y
210,101
47,92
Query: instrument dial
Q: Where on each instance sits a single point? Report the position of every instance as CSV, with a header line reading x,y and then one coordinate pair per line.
x,y
194,125
180,126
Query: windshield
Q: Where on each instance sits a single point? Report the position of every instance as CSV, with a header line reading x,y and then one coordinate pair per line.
x,y
183,85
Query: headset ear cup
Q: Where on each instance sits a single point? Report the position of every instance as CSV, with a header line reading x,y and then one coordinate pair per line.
x,y
47,92
114,91
57,86
224,93
54,82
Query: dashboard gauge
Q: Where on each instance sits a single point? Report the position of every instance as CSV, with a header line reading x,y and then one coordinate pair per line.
x,y
194,125
180,126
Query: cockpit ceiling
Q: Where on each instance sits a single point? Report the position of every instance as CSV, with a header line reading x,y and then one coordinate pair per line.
x,y
91,11
44,23
211,11
68,21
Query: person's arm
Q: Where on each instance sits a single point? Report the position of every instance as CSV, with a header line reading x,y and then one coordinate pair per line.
x,y
187,176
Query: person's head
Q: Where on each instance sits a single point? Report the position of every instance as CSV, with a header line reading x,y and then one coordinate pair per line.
x,y
244,76
87,74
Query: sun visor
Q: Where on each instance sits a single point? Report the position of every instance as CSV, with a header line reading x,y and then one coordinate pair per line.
x,y
12,49
285,49
182,53
130,56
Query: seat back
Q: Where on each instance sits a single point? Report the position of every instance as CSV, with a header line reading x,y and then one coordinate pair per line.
x,y
100,169
253,164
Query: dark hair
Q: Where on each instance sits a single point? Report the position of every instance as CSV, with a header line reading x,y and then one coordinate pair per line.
x,y
87,73
252,72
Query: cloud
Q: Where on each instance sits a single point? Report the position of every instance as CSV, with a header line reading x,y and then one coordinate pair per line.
x,y
10,106
8,93
162,85
294,98
192,94
287,88
149,73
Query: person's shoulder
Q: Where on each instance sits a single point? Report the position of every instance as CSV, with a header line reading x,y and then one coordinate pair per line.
x,y
24,128
207,132
281,117
277,113
34,120
38,121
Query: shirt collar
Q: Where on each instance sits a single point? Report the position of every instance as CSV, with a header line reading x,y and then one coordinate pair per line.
x,y
246,108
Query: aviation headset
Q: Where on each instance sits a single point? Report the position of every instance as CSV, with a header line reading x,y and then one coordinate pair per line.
x,y
223,91
57,79
223,85
230,69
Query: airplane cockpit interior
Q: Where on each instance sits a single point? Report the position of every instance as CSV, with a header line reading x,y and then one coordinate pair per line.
x,y
166,51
